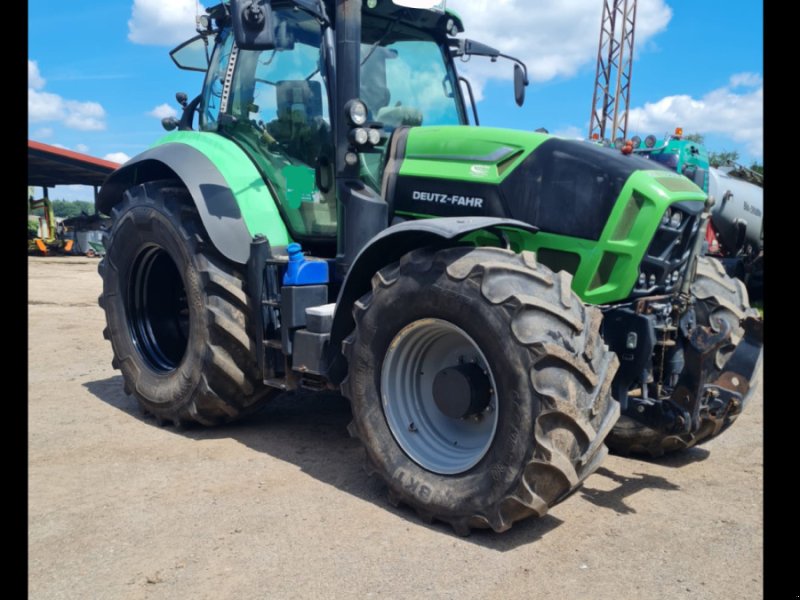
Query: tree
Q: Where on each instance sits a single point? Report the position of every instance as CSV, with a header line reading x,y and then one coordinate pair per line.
x,y
68,208
723,158
697,138
757,167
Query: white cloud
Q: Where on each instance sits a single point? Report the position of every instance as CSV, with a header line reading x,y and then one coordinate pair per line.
x,y
35,80
86,116
738,114
163,22
82,148
163,111
555,38
117,157
43,133
745,80
45,106
570,132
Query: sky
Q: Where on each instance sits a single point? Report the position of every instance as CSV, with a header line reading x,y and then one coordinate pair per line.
x,y
100,78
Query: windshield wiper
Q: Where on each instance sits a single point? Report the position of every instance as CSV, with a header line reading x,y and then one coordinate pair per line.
x,y
378,43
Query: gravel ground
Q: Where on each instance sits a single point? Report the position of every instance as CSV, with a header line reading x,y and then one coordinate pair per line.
x,y
279,506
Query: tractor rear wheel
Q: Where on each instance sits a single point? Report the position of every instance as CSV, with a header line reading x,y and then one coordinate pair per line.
x,y
479,385
717,295
177,313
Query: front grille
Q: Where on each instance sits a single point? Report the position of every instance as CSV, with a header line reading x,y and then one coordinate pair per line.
x,y
669,251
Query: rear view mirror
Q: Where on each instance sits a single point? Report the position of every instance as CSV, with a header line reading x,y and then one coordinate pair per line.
x,y
253,27
520,81
191,55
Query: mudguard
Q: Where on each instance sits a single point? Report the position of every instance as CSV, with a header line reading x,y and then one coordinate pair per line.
x,y
388,247
233,201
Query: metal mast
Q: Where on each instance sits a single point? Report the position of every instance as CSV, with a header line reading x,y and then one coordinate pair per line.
x,y
612,87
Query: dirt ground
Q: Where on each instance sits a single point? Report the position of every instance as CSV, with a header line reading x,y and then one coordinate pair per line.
x,y
279,506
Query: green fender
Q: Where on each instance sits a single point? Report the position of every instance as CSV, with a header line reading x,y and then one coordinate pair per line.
x,y
391,244
232,199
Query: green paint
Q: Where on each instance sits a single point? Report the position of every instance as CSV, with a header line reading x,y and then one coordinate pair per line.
x,y
466,153
258,207
627,250
300,185
608,268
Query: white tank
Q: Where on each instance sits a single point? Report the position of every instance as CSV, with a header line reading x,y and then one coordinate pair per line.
x,y
736,201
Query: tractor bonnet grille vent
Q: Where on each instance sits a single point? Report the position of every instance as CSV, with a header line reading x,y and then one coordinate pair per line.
x,y
665,262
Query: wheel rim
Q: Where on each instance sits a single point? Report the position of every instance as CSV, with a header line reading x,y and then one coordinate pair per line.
x,y
157,310
437,442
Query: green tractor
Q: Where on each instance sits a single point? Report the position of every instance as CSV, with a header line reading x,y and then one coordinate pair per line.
x,y
489,301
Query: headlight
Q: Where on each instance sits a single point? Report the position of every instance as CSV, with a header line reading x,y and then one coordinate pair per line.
x,y
374,137
636,141
675,277
665,220
676,219
642,280
360,136
650,141
652,280
452,29
356,112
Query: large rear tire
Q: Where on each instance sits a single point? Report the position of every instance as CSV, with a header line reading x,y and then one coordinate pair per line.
x,y
717,296
511,331
177,313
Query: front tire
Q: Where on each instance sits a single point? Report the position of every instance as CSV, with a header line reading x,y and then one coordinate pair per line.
x,y
177,313
538,431
717,296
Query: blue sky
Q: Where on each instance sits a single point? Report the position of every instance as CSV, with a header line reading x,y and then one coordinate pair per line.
x,y
99,70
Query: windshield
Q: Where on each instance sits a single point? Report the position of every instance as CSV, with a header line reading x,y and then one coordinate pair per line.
x,y
667,159
404,77
405,81
212,88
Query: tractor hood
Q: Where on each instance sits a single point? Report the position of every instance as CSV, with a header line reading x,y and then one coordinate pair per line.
x,y
564,187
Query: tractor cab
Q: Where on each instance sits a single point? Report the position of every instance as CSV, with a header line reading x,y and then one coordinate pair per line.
x,y
273,96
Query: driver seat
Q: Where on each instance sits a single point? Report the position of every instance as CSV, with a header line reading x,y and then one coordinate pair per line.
x,y
299,125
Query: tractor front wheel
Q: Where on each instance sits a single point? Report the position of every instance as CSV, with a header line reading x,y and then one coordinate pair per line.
x,y
716,296
479,385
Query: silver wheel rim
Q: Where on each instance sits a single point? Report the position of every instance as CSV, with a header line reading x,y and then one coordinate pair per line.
x,y
435,441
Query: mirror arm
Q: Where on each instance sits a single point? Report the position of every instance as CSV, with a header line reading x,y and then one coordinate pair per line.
x,y
458,48
522,65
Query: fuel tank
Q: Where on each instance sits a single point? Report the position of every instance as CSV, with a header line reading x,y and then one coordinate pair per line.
x,y
737,201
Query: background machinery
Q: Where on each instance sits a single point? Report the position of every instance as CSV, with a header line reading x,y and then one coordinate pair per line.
x,y
49,167
489,301
49,238
735,232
